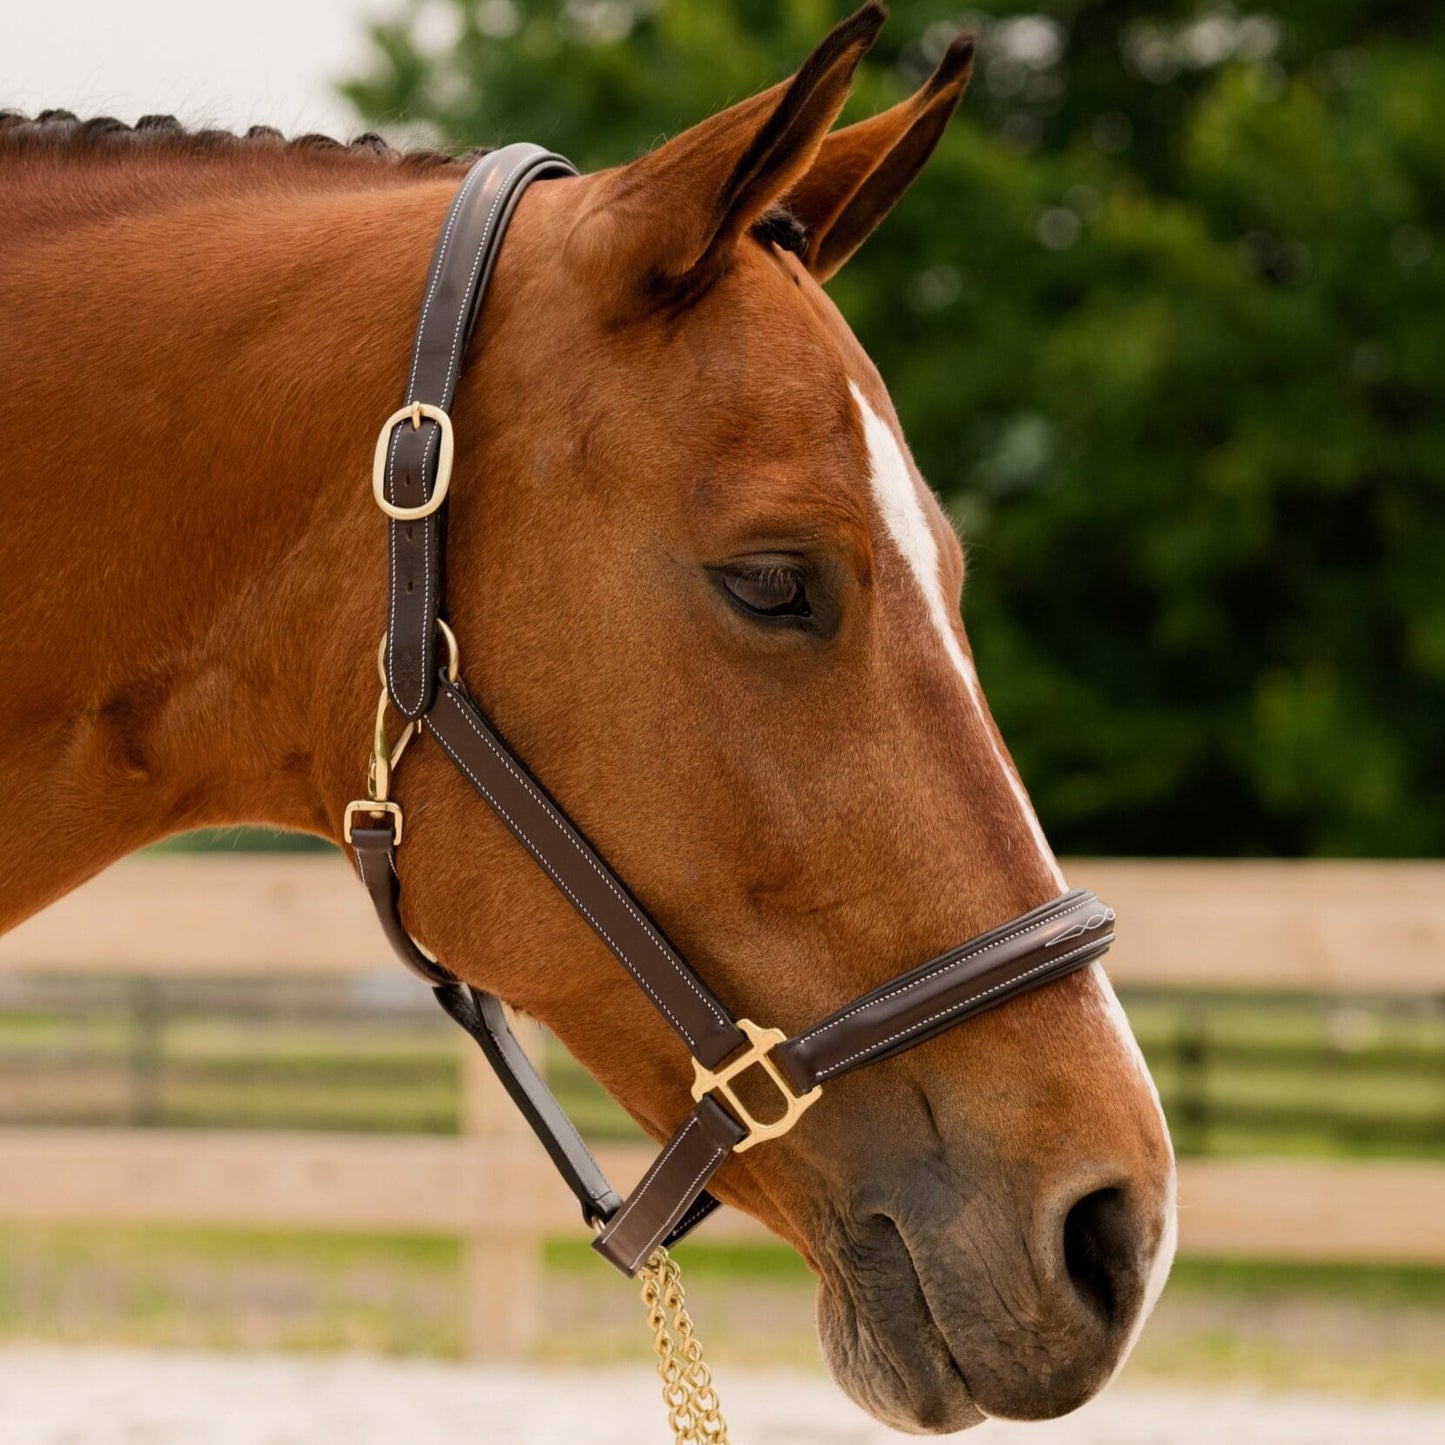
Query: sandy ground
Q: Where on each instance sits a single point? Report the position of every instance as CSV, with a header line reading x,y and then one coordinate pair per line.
x,y
61,1396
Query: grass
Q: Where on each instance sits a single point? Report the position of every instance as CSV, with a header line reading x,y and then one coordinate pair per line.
x,y
1366,1331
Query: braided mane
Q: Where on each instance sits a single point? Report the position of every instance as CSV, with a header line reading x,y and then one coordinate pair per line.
x,y
63,132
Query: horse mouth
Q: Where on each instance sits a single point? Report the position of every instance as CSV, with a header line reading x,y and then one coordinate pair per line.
x,y
936,1332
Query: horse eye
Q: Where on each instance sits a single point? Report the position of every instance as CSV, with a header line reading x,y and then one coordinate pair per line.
x,y
774,591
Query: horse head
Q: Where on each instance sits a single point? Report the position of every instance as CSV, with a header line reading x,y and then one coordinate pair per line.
x,y
706,593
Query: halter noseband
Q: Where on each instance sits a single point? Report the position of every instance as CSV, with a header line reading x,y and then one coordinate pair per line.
x,y
411,476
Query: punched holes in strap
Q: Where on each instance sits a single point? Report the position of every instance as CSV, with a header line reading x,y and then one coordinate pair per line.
x,y
417,453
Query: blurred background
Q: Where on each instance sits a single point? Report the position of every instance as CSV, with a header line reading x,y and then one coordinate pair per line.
x,y
1163,321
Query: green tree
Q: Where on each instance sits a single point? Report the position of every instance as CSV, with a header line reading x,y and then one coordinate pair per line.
x,y
1164,321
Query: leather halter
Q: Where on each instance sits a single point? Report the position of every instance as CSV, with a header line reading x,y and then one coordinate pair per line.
x,y
411,477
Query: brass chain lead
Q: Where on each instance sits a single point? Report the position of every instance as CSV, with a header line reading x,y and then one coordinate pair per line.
x,y
693,1411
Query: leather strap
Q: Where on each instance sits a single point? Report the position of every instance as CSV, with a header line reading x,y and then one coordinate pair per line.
x,y
483,1017
582,875
662,1205
1052,940
461,266
375,848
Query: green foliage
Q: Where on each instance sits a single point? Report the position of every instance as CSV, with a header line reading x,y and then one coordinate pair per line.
x,y
1163,319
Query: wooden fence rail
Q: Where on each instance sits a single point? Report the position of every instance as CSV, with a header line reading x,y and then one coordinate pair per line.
x,y
1322,927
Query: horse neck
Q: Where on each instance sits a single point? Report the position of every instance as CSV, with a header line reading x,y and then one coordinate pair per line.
x,y
195,579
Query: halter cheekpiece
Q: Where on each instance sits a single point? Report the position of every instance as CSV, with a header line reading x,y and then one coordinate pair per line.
x,y
411,480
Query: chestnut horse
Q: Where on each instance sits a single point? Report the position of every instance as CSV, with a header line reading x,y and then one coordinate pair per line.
x,y
700,585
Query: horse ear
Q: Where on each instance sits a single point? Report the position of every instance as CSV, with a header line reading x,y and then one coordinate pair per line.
x,y
674,215
863,170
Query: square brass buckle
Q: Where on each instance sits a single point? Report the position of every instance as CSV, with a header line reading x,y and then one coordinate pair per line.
x,y
376,811
761,1043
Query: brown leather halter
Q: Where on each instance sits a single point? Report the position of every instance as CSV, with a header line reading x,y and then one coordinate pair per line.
x,y
411,476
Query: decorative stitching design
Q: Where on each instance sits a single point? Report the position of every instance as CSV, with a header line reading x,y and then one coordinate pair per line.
x,y
1087,925
502,193
959,961
642,920
561,883
651,1178
361,866
952,1008
453,212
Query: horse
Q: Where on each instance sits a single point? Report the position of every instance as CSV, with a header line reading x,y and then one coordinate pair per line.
x,y
700,584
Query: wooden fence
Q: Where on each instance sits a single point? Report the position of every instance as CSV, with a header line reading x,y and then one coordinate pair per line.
x,y
1319,927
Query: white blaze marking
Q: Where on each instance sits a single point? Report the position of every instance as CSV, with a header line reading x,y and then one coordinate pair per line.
x,y
897,496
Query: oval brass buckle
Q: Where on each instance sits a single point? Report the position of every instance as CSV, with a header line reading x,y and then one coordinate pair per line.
x,y
761,1043
414,414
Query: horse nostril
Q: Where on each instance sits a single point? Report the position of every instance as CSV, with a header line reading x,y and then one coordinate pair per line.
x,y
1101,1251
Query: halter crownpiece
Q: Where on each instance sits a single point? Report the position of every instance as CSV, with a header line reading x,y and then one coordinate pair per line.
x,y
411,478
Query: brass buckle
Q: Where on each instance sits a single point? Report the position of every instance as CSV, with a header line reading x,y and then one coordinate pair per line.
x,y
414,414
385,756
761,1043
373,808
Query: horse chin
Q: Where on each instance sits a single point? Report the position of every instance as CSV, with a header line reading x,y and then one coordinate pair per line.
x,y
882,1344
900,1373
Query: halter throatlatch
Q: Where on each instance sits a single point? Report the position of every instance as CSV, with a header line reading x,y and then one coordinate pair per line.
x,y
411,478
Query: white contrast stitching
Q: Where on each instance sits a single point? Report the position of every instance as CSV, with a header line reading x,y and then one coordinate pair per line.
x,y
481,252
557,878
952,1008
477,263
700,1210
446,240
650,1178
361,865
621,897
696,1180
951,964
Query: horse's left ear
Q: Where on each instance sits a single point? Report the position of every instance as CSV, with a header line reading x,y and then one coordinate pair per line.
x,y
668,222
862,170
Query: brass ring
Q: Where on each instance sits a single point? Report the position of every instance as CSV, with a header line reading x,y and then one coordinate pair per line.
x,y
414,414
454,656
